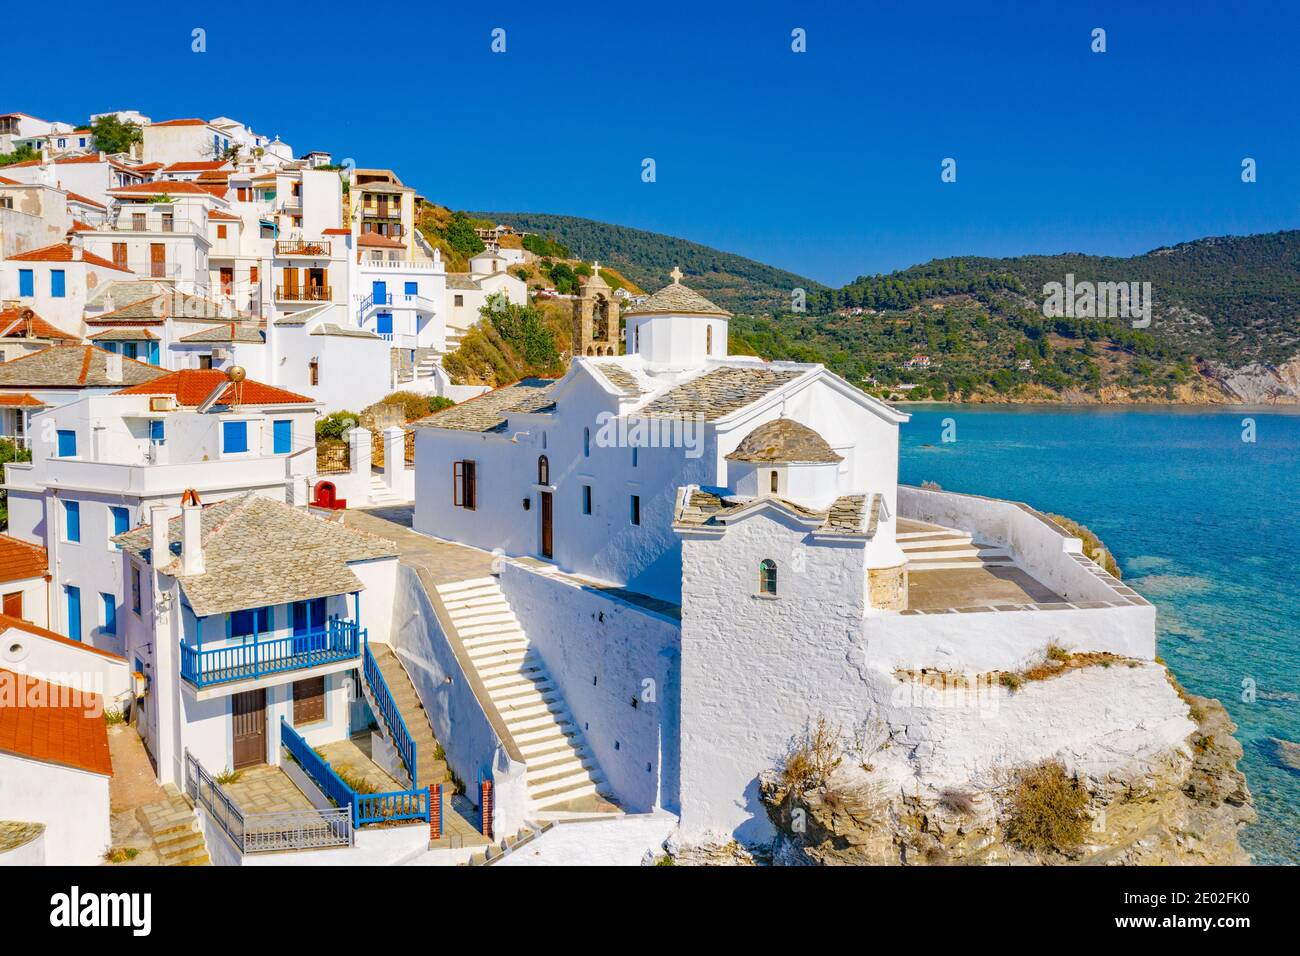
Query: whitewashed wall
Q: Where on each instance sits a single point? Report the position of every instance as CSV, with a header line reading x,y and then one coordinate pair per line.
x,y
603,654
76,822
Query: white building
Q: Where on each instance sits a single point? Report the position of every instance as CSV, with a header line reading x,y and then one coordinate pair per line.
x,y
24,580
731,534
100,464
243,614
55,281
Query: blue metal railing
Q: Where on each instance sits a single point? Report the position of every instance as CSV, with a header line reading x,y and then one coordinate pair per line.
x,y
364,807
338,641
388,711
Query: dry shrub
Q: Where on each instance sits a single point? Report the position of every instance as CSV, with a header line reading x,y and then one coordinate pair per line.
x,y
812,756
1047,810
957,800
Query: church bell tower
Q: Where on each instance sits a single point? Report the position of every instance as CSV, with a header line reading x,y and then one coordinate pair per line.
x,y
595,318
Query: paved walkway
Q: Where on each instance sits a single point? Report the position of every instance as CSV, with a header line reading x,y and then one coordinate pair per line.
x,y
132,786
436,561
621,841
265,789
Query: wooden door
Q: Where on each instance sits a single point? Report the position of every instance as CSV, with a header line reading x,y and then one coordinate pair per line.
x,y
290,284
157,260
248,717
227,280
547,549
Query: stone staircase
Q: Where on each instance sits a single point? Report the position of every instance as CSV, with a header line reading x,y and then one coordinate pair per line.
x,y
560,768
932,547
429,769
380,495
172,827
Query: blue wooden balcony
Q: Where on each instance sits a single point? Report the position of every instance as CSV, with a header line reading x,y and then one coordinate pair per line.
x,y
336,641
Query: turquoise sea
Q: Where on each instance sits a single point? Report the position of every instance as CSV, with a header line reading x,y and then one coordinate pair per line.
x,y
1203,524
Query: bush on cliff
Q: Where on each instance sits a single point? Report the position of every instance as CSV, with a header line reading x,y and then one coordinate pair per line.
x,y
1047,810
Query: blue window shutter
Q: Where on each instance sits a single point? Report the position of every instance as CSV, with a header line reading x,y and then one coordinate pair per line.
x,y
67,443
384,323
109,346
234,437
130,349
157,431
72,520
26,284
110,613
58,284
283,436
74,612
153,353
121,519
412,288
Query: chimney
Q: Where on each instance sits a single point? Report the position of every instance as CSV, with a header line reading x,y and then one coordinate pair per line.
x,y
113,366
102,156
191,533
76,241
159,545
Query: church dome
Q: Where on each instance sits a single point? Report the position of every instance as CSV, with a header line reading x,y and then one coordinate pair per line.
x,y
676,299
784,441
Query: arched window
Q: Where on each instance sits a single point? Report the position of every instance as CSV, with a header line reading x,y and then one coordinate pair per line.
x,y
708,340
776,484
767,577
543,471
586,442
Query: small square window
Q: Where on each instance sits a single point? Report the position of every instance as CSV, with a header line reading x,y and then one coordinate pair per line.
x,y
67,443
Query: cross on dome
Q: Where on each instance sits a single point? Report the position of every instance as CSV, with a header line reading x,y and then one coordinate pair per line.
x,y
676,276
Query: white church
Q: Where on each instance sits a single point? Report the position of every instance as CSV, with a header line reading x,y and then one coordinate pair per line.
x,y
702,553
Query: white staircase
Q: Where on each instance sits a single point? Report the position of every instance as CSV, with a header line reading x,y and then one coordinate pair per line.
x,y
936,548
559,766
380,493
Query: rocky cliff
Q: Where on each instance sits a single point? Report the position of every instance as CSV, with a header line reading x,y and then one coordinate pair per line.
x,y
1180,805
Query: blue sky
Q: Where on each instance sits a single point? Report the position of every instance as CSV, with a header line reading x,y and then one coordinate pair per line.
x,y
826,163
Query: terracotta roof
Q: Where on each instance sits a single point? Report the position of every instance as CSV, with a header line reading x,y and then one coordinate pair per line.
x,y
383,242
79,226
58,724
7,621
720,392
85,200
676,299
223,215
195,167
784,440
14,323
10,182
20,400
258,552
159,187
194,121
62,252
192,386
21,559
491,411
336,231
71,366
63,160
147,167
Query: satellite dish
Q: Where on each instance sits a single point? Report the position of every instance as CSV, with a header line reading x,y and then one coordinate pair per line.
x,y
236,373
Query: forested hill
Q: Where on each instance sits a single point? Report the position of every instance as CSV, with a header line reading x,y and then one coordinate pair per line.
x,y
733,282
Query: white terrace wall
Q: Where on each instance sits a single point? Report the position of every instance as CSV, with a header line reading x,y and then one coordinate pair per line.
x,y
460,723
72,803
616,666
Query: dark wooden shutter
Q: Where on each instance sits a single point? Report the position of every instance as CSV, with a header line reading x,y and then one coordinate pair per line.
x,y
308,700
471,485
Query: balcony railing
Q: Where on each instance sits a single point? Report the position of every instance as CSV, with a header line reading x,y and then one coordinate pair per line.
x,y
403,743
152,222
312,293
338,641
302,247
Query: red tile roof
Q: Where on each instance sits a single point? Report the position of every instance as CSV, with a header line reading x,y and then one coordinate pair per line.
x,y
336,231
221,214
192,386
85,200
8,621
62,252
14,322
21,559
79,226
375,239
182,122
59,160
11,400
53,724
9,182
194,167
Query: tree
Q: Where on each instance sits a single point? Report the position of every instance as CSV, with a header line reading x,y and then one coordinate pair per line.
x,y
114,136
460,235
22,154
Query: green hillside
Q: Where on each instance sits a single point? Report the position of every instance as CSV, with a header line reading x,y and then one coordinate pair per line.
x,y
733,282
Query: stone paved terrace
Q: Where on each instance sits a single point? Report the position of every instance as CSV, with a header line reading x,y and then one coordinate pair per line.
x,y
265,789
975,587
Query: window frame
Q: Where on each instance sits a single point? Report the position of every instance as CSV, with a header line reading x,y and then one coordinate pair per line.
x,y
465,484
767,578
635,510
72,522
232,427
